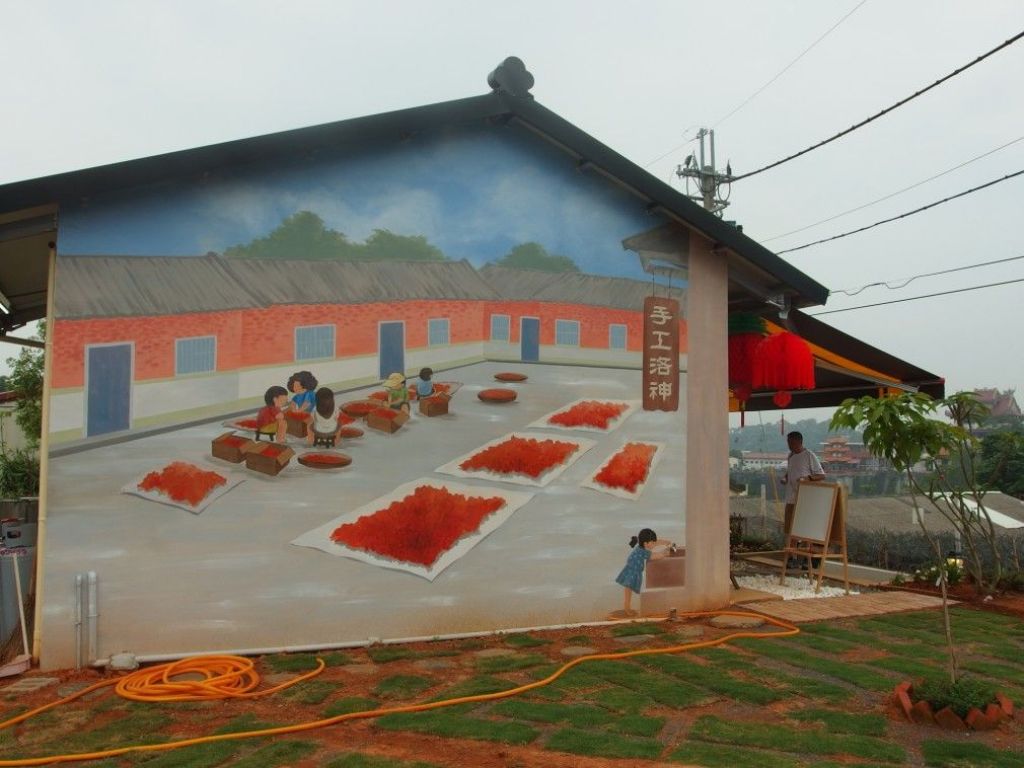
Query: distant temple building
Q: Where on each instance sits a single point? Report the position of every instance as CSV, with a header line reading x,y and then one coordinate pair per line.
x,y
1000,404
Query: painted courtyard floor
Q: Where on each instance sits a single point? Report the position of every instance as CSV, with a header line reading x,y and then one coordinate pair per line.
x,y
820,698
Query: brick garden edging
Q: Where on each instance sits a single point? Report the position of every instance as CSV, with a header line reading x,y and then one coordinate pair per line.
x,y
921,712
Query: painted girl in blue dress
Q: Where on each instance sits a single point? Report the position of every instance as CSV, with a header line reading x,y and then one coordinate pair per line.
x,y
631,576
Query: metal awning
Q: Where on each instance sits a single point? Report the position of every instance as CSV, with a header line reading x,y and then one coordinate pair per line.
x,y
26,237
844,367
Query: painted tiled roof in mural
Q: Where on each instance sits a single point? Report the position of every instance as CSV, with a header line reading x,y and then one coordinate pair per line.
x,y
573,288
114,286
278,281
119,286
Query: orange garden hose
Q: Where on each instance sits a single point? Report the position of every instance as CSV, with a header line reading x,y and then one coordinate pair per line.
x,y
234,677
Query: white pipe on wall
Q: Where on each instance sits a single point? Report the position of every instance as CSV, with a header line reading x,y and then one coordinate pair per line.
x,y
92,615
158,658
79,581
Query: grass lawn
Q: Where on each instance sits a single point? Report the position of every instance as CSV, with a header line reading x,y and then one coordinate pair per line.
x,y
818,699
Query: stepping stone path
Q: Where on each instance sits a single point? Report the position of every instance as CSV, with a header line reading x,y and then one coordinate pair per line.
x,y
689,633
736,622
573,651
634,639
30,685
431,664
490,653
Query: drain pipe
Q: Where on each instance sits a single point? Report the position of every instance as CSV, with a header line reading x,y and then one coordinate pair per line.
x,y
159,658
79,582
93,615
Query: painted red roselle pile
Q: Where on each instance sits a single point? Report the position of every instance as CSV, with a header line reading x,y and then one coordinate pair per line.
x,y
628,468
182,482
497,395
246,423
359,408
235,441
326,460
385,413
420,527
589,413
521,456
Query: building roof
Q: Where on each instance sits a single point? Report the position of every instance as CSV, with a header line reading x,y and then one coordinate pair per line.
x,y
509,103
573,288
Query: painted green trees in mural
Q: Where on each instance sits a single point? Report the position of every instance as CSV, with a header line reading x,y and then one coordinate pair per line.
x,y
304,235
535,256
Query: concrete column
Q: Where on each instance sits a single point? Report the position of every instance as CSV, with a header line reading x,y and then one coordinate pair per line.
x,y
707,429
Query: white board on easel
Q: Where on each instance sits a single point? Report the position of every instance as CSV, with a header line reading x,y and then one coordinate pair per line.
x,y
813,515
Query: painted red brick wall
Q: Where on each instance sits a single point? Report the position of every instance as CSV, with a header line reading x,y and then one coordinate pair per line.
x,y
267,336
154,342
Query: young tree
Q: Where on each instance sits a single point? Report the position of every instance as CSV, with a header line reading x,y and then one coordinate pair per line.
x,y
902,430
26,380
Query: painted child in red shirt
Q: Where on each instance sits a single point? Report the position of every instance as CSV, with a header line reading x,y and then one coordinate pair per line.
x,y
270,419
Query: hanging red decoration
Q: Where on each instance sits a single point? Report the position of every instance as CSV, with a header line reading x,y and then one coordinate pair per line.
x,y
783,361
745,334
782,398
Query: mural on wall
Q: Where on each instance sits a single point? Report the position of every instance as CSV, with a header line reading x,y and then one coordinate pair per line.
x,y
428,362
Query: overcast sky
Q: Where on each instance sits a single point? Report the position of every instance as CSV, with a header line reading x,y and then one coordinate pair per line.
x,y
88,84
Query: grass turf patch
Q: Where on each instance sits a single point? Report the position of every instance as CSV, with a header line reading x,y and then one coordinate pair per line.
x,y
197,756
348,705
475,686
654,687
277,753
842,722
454,723
722,756
577,715
402,686
799,741
383,654
638,725
244,722
602,745
523,640
856,674
620,700
497,664
304,662
957,754
640,628
712,679
310,692
360,760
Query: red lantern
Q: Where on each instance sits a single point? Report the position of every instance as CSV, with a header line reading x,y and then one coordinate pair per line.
x,y
742,347
783,361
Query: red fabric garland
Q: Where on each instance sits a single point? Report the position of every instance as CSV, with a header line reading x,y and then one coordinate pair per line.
x,y
783,361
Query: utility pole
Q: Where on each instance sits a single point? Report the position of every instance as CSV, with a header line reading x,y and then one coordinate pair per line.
x,y
709,183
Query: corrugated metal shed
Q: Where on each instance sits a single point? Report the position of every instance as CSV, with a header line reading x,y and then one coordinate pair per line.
x,y
118,286
573,288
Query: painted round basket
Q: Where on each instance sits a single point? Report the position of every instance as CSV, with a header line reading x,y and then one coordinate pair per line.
x,y
324,460
497,395
348,432
511,376
358,409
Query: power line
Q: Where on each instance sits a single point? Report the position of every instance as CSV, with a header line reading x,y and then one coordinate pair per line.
x,y
905,281
885,111
807,50
894,194
673,150
902,215
915,298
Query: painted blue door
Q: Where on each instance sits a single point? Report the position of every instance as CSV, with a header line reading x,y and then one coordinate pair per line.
x,y
529,339
109,395
392,349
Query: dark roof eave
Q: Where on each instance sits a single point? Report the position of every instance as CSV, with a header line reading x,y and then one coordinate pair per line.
x,y
657,192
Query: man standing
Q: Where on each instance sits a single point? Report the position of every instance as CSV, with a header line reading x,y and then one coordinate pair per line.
x,y
802,464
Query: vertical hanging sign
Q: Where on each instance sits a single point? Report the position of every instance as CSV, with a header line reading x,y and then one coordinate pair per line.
x,y
661,354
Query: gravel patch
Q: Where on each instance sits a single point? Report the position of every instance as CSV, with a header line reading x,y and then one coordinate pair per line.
x,y
797,587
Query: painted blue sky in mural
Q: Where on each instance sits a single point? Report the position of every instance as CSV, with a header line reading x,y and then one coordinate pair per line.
x,y
473,194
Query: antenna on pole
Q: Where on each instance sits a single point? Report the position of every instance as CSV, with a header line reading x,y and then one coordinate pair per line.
x,y
712,188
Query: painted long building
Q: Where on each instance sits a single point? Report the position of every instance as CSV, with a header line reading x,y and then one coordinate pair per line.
x,y
144,341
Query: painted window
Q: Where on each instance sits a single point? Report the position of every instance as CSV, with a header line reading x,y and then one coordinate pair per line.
x,y
196,355
500,325
616,336
567,333
314,341
437,332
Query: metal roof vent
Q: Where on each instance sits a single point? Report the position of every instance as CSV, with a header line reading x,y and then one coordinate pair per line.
x,y
512,78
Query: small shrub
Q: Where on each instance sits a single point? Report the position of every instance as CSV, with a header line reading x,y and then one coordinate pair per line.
x,y
931,574
960,696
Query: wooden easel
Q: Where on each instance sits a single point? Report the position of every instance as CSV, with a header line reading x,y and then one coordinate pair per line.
x,y
818,530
